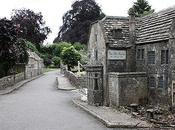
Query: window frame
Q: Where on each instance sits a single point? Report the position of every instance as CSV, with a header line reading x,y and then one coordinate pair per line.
x,y
164,57
153,85
151,60
161,83
140,54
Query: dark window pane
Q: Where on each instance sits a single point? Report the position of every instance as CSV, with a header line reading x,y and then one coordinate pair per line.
x,y
151,57
152,82
140,54
164,56
167,56
160,82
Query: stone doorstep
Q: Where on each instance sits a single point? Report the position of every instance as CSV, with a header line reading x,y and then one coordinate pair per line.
x,y
18,85
110,123
67,88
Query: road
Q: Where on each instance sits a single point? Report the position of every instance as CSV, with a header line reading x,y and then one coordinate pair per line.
x,y
40,106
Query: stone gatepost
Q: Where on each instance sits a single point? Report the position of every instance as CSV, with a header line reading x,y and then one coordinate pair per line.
x,y
95,84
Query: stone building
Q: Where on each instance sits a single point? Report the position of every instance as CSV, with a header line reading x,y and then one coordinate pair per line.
x,y
138,58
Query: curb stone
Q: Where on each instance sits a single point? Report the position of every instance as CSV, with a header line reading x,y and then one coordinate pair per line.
x,y
105,121
18,85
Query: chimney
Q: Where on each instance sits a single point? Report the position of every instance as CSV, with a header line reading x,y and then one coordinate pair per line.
x,y
132,29
132,39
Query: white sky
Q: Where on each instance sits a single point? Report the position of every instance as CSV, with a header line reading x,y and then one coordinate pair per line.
x,y
53,10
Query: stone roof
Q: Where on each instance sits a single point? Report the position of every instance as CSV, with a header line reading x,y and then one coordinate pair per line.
x,y
155,27
110,23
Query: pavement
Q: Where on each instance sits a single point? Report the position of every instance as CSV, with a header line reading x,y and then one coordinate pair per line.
x,y
111,117
63,83
108,116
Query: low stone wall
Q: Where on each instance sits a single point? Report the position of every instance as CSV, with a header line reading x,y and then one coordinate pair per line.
x,y
128,88
76,81
10,80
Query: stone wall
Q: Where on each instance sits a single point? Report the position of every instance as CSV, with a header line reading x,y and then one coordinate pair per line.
x,y
76,81
157,95
127,88
10,80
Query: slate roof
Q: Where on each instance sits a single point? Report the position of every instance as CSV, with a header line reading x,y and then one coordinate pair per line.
x,y
155,27
111,22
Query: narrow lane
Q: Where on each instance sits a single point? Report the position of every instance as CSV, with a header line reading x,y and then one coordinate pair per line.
x,y
40,106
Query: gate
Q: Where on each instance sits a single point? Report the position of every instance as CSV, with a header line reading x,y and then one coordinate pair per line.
x,y
95,84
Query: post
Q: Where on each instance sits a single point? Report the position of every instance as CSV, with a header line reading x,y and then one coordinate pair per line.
x,y
78,67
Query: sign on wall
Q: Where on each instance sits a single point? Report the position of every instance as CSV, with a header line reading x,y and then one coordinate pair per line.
x,y
116,54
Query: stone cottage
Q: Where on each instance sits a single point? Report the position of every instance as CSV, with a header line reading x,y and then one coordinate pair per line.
x,y
138,58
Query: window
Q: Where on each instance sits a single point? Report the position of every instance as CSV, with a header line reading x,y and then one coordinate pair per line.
x,y
96,37
152,82
164,56
117,33
160,82
140,54
151,57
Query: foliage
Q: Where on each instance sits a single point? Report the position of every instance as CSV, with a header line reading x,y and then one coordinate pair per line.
x,y
31,46
57,48
140,8
30,26
70,57
78,46
47,60
12,50
84,57
77,21
56,60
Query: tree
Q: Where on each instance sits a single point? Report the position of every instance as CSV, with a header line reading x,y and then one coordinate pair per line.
x,y
140,8
56,60
31,26
12,50
70,57
77,21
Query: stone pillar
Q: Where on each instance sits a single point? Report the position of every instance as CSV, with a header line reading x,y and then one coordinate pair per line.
x,y
95,84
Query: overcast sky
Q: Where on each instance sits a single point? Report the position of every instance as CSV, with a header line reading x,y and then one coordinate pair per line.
x,y
53,10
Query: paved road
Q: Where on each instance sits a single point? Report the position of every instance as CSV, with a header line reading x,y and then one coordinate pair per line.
x,y
40,106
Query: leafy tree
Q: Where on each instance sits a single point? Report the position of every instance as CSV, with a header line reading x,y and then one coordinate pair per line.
x,y
70,57
56,60
30,26
78,46
12,50
58,48
140,8
77,21
47,58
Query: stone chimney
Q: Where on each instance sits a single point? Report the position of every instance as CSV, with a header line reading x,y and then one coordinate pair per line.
x,y
132,29
131,61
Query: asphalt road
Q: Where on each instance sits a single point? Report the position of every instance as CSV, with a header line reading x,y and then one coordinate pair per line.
x,y
40,106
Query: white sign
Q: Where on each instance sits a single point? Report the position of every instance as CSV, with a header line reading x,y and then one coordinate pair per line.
x,y
116,54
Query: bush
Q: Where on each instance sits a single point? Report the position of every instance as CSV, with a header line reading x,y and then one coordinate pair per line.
x,y
70,57
56,60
